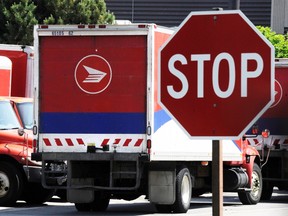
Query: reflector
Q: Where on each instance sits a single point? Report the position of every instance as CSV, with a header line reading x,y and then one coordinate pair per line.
x,y
266,133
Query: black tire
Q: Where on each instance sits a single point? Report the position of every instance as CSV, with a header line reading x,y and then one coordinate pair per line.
x,y
100,203
183,191
11,184
163,208
253,197
83,207
183,194
267,191
35,194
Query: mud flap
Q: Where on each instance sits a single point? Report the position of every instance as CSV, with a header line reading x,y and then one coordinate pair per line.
x,y
162,187
80,195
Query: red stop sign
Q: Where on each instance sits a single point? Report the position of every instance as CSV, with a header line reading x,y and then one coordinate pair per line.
x,y
216,75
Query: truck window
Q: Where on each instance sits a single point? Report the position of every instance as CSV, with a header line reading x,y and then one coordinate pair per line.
x,y
26,114
8,118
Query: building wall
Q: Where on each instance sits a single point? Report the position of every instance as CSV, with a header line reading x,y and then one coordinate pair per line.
x,y
172,12
279,17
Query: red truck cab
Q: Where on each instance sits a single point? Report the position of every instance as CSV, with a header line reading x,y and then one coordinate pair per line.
x,y
19,175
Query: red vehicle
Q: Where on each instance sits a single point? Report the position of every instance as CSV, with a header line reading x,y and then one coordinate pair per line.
x,y
272,144
19,175
16,70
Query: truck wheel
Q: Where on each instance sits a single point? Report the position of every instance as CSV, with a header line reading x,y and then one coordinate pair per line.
x,y
35,193
183,194
83,207
253,197
183,191
11,184
267,191
100,203
163,208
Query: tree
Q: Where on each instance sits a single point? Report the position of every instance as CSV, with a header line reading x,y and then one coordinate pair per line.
x,y
17,18
76,12
2,22
279,41
17,21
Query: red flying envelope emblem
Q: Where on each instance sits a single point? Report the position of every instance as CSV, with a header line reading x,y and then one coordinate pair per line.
x,y
93,74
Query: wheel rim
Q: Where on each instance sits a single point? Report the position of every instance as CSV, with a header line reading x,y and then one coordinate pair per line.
x,y
255,184
185,189
4,184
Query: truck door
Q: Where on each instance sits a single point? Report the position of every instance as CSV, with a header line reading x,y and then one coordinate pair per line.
x,y
93,87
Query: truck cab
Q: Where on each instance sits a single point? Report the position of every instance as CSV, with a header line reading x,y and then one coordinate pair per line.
x,y
19,175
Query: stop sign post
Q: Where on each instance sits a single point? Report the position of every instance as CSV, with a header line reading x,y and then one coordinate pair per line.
x,y
216,75
216,78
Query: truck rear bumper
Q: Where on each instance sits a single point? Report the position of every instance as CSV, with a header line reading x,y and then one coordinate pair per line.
x,y
95,171
59,156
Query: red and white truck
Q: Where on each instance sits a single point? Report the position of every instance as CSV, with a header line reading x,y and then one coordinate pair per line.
x,y
20,177
16,70
272,144
101,133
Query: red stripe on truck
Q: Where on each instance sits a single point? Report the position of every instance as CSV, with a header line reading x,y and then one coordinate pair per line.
x,y
127,141
47,142
58,142
79,141
138,142
69,142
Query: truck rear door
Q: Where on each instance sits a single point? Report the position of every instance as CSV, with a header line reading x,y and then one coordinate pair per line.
x,y
91,89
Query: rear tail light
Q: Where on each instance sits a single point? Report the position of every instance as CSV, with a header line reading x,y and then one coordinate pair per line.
x,y
266,133
43,26
204,163
91,26
149,145
81,26
141,26
34,146
255,129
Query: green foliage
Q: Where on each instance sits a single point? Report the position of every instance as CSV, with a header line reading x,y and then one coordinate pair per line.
x,y
17,17
77,11
279,41
20,20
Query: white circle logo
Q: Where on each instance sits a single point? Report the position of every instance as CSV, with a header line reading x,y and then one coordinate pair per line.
x,y
93,74
278,94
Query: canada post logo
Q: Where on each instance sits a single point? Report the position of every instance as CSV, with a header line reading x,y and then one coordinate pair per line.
x,y
93,74
278,94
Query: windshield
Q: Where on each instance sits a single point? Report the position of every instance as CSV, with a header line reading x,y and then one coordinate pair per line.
x,y
8,118
26,114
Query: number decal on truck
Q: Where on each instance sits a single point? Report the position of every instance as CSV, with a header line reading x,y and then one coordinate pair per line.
x,y
93,74
58,33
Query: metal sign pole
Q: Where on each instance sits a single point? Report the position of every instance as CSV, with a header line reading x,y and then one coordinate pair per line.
x,y
217,178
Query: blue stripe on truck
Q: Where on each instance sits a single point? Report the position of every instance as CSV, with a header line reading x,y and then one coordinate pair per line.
x,y
133,123
277,126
